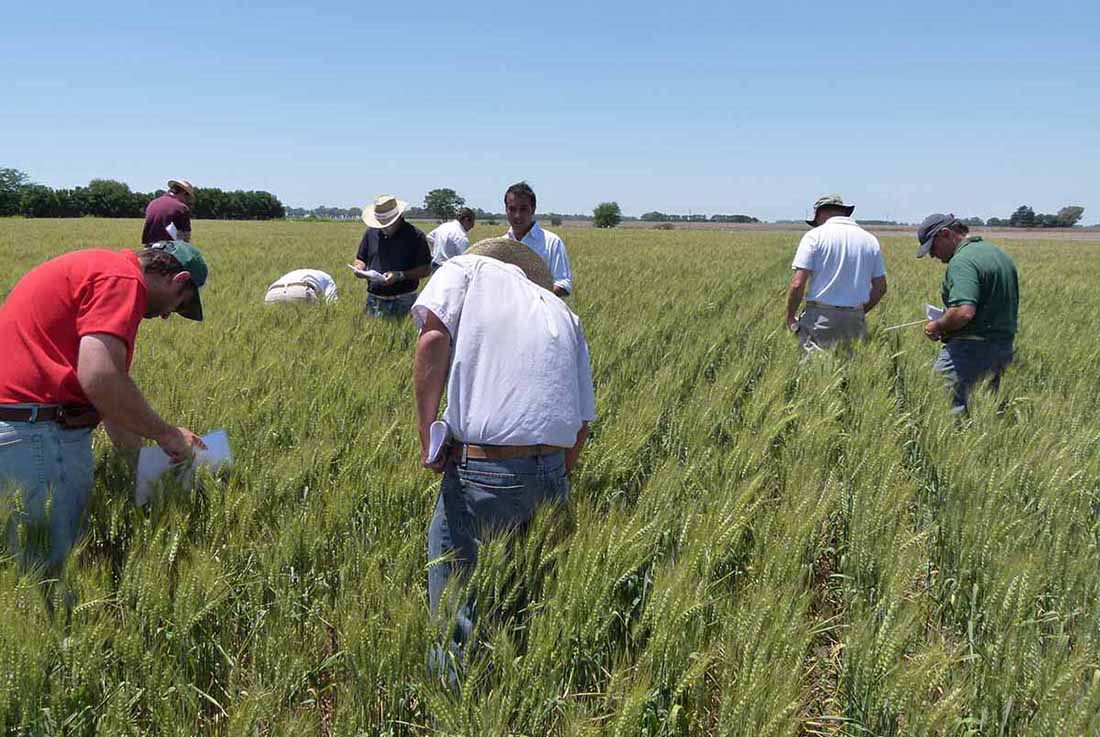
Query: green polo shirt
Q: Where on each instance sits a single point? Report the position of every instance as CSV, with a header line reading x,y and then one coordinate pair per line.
x,y
983,275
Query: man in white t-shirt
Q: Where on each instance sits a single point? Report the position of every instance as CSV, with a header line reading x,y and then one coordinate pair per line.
x,y
519,206
842,266
450,239
516,367
302,285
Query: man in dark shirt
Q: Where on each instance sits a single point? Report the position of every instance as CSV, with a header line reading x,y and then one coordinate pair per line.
x,y
173,208
396,250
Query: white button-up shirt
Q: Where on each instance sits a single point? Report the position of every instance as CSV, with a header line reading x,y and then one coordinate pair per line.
x,y
552,250
520,371
448,240
324,286
843,258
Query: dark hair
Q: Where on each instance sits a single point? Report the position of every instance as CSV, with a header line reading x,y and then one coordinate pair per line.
x,y
464,212
156,261
521,189
959,227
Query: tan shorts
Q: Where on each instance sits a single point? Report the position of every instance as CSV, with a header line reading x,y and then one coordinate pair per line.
x,y
821,326
291,293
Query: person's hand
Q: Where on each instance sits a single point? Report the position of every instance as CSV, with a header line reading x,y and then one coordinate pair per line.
x,y
792,324
933,331
439,463
179,443
391,278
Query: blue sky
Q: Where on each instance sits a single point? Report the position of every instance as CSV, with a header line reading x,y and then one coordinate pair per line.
x,y
906,108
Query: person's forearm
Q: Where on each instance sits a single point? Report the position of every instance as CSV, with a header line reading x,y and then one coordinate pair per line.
x,y
433,353
420,272
574,453
794,299
955,319
121,437
120,402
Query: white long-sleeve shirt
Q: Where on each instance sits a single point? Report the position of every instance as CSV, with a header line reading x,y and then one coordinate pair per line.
x,y
448,240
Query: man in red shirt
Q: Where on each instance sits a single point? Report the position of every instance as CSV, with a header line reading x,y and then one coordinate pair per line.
x,y
173,208
68,330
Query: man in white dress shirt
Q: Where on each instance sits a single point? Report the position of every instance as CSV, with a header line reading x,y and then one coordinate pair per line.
x,y
450,239
842,265
519,205
515,363
302,285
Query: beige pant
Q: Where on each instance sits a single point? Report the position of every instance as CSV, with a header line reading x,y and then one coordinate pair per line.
x,y
821,327
290,293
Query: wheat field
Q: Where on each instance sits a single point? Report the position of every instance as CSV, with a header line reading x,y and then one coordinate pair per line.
x,y
752,546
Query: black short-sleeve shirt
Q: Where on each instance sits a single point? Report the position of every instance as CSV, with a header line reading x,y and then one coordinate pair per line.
x,y
404,250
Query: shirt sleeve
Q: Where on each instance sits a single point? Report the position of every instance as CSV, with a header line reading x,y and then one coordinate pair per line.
x,y
364,247
962,282
114,305
879,265
806,255
183,220
423,250
444,297
586,391
559,266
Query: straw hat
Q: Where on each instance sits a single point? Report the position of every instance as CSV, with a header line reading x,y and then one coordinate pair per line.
x,y
385,210
517,254
182,185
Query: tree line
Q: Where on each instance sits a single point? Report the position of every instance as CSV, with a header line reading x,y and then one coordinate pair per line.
x,y
113,199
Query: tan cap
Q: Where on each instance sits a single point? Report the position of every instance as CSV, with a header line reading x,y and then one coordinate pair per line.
x,y
517,254
182,185
830,200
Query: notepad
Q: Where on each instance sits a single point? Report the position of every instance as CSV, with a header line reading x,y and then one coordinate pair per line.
x,y
153,463
369,274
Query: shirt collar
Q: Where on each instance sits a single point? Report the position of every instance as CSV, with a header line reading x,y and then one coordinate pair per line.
x,y
534,231
841,220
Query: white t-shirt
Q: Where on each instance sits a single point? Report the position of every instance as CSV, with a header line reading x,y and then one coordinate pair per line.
x,y
843,258
323,284
520,372
552,250
448,240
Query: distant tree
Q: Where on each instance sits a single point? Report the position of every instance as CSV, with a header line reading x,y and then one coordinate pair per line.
x,y
555,219
1024,217
972,221
1069,216
107,198
12,182
607,215
997,223
443,203
654,217
38,201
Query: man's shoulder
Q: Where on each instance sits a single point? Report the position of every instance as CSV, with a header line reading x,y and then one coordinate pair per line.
x,y
549,236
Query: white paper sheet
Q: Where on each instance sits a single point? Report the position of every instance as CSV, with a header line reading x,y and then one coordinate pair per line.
x,y
172,230
369,274
438,435
153,463
933,312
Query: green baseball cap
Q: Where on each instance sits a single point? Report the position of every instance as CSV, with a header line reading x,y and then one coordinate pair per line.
x,y
193,263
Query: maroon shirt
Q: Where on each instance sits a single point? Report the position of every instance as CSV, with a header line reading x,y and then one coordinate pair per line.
x,y
164,210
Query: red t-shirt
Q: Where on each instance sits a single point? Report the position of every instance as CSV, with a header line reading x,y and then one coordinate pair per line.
x,y
52,308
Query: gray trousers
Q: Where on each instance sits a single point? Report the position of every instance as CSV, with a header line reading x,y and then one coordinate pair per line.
x,y
821,326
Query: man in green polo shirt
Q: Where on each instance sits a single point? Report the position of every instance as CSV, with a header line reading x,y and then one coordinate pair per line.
x,y
981,297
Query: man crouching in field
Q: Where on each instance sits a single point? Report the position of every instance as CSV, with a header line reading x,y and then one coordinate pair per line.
x,y
519,387
982,298
842,265
68,330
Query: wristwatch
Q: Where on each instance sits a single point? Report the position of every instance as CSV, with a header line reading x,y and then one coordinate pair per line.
x,y
400,276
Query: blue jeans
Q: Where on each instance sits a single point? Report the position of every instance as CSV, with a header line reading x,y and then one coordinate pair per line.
x,y
964,362
51,467
397,307
476,500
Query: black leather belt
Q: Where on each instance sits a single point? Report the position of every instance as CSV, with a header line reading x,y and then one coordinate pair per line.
x,y
67,415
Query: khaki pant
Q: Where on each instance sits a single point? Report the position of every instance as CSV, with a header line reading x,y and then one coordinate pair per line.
x,y
821,326
290,293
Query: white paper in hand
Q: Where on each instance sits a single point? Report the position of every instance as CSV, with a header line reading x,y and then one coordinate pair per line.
x,y
171,228
934,313
153,463
438,435
369,274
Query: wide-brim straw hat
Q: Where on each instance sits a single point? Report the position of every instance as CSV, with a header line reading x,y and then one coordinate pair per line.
x,y
517,254
832,200
182,185
385,210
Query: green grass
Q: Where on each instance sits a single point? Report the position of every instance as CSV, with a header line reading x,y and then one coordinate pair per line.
x,y
751,547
